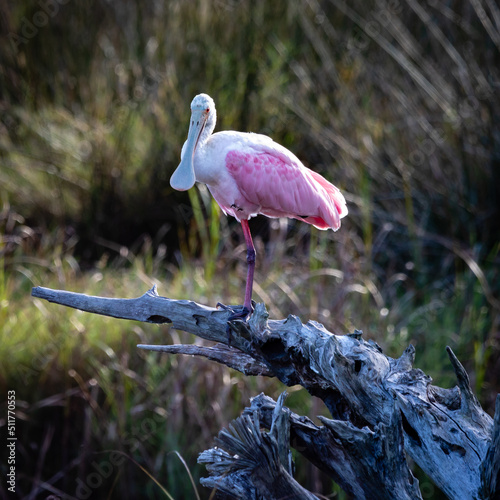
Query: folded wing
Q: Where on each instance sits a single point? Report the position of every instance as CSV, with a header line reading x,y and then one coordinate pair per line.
x,y
274,179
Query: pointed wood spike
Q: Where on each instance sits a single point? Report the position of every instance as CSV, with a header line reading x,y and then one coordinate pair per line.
x,y
469,401
406,360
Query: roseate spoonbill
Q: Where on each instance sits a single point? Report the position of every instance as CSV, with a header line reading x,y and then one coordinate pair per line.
x,y
250,174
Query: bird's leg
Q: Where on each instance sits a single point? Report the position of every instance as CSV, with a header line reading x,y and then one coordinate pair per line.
x,y
251,265
243,312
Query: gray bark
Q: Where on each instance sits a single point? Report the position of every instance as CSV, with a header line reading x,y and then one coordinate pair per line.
x,y
253,464
381,407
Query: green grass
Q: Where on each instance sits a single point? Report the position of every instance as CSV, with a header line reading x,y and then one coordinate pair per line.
x,y
398,109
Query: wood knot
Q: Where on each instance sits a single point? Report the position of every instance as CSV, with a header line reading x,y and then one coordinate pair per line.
x,y
157,318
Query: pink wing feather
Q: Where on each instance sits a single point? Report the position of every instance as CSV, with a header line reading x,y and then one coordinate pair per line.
x,y
281,186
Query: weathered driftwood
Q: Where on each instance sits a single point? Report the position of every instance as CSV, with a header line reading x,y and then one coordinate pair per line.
x,y
250,463
368,464
381,407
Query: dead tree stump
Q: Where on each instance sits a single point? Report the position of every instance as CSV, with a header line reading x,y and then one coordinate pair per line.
x,y
381,408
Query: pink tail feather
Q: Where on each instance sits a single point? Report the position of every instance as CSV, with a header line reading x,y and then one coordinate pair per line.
x,y
332,214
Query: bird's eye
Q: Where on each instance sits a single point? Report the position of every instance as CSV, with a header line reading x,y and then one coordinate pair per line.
x,y
207,110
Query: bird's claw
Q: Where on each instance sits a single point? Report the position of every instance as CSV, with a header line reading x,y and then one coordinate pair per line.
x,y
237,312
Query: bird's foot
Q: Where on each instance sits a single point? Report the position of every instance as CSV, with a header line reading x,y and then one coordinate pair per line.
x,y
237,312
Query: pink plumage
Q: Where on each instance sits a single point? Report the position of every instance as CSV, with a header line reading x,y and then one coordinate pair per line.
x,y
279,186
249,174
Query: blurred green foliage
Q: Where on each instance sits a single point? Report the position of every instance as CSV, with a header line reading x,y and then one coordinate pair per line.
x,y
397,102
